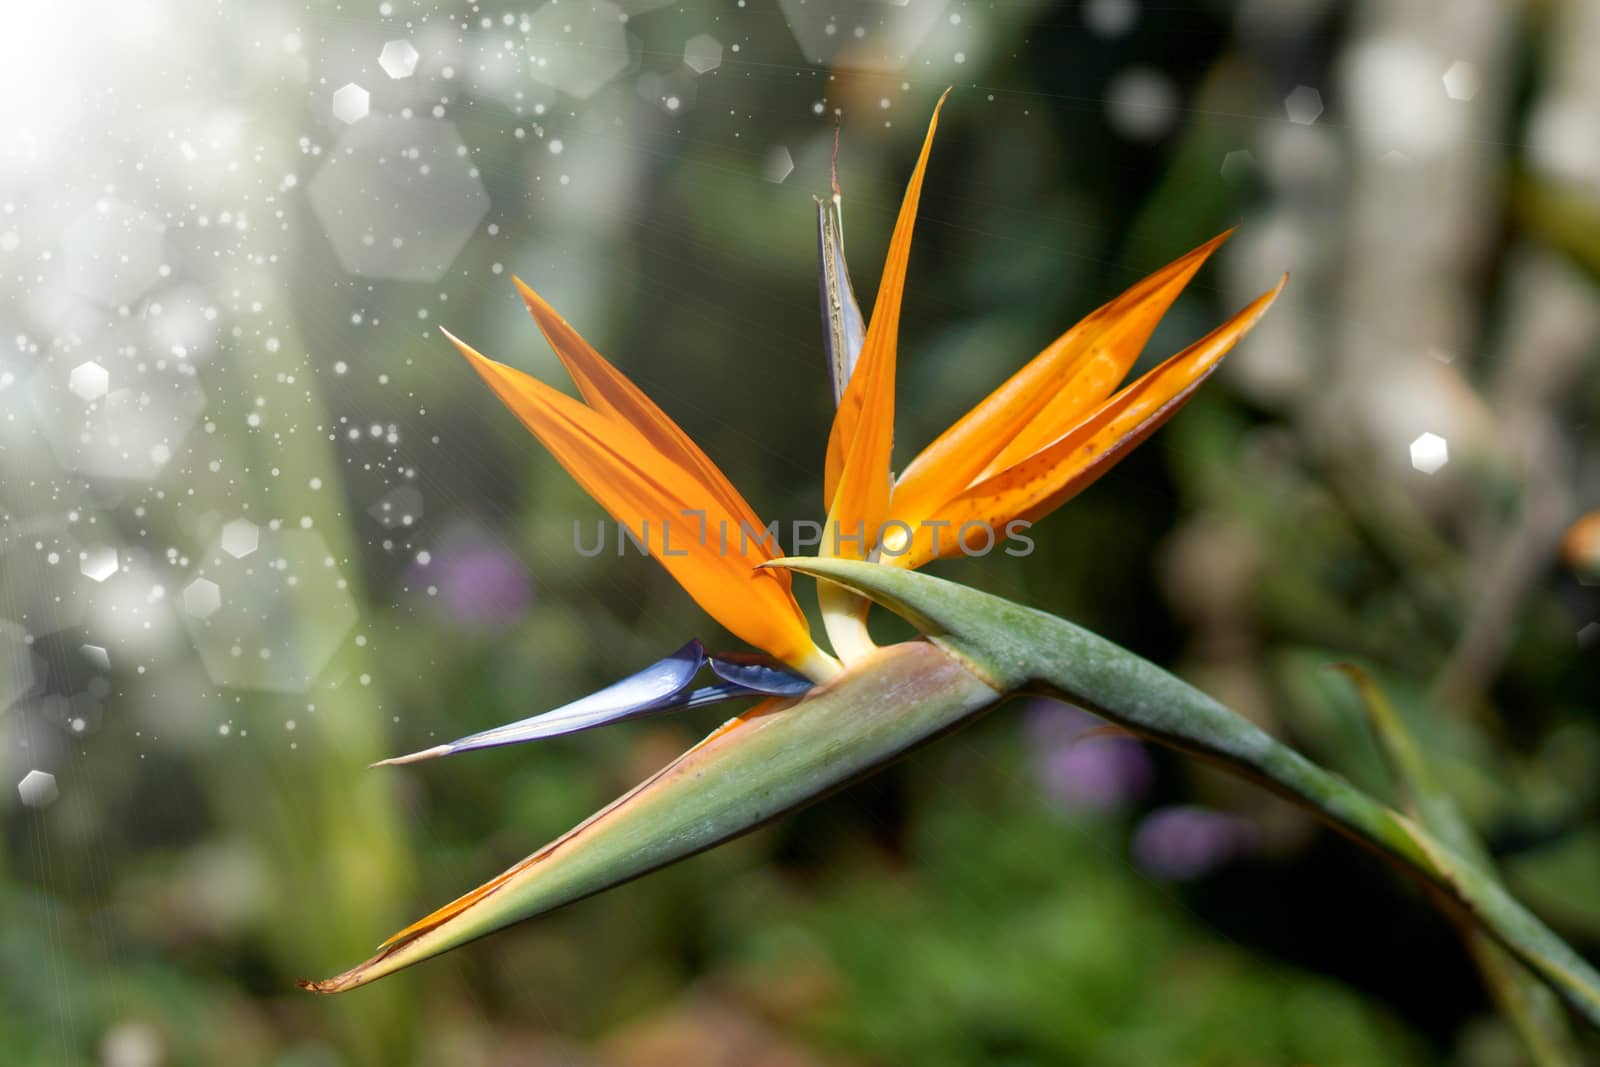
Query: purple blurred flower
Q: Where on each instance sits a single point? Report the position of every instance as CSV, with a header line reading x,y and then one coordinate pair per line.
x,y
1187,841
479,580
1079,768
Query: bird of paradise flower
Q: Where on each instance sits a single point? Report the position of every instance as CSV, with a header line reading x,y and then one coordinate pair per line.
x,y
1043,436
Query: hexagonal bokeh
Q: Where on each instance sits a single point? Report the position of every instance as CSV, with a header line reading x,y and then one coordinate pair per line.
x,y
577,46
1429,452
779,164
1238,165
702,53
99,563
114,253
861,34
240,537
351,103
1303,105
89,381
201,598
17,675
1462,81
398,198
131,432
38,789
398,58
282,613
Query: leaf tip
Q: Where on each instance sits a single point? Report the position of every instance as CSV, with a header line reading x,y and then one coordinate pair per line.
x,y
413,757
323,985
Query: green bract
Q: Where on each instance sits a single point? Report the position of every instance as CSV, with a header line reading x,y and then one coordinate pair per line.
x,y
1020,649
977,650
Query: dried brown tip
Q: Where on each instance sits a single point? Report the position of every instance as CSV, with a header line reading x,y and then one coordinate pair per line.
x,y
337,984
833,163
413,757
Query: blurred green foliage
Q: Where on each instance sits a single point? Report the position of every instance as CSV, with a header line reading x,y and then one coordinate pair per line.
x,y
959,909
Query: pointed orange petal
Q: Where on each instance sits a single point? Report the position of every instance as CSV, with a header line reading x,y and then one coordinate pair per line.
x,y
1042,482
611,393
1049,396
648,492
856,483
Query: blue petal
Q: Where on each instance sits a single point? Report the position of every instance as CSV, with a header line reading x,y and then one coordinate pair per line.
x,y
662,686
708,695
763,674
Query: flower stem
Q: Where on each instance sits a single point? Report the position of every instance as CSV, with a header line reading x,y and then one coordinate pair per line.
x,y
844,616
1017,648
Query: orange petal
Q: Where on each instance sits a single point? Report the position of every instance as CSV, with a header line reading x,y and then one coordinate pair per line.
x,y
609,392
856,483
1042,482
1049,396
649,491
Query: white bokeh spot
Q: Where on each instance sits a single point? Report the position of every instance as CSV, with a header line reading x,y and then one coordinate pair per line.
x,y
1303,105
779,164
1429,452
702,53
350,103
1141,103
240,538
98,564
89,381
202,597
38,789
398,58
1462,81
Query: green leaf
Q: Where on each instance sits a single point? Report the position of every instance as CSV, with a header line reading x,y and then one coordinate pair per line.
x,y
1523,998
1017,648
1569,221
774,758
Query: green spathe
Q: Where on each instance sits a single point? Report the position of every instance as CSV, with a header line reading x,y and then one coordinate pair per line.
x,y
1016,648
977,650
771,760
